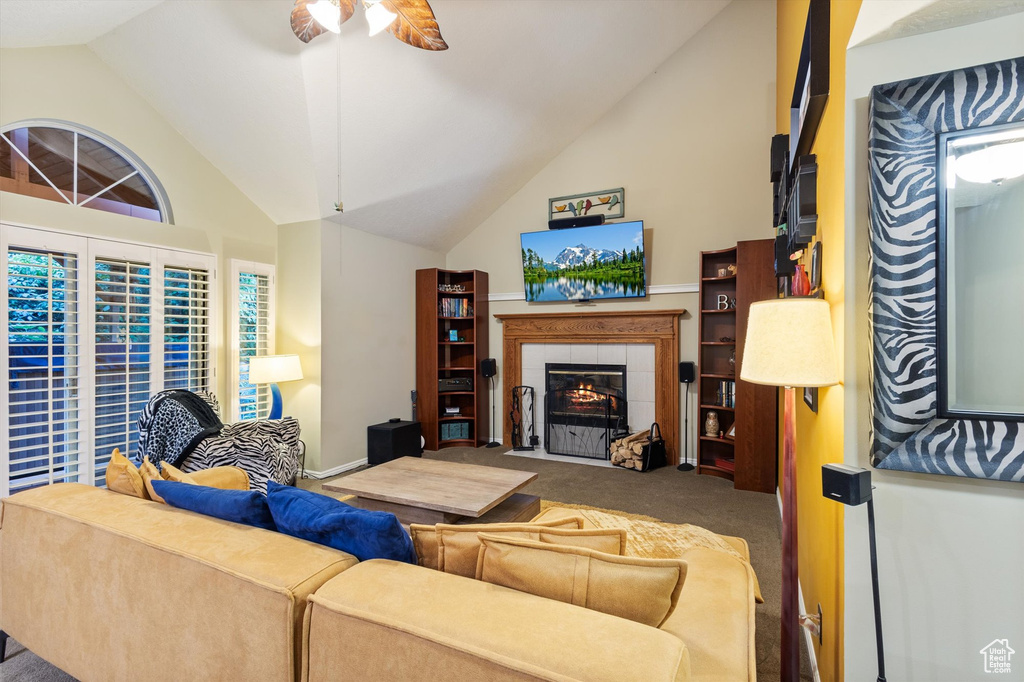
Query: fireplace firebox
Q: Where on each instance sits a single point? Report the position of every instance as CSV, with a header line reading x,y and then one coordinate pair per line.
x,y
585,408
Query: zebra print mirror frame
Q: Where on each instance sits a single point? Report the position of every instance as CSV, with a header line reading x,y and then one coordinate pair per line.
x,y
906,118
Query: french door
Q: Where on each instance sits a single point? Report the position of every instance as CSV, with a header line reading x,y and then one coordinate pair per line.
x,y
94,328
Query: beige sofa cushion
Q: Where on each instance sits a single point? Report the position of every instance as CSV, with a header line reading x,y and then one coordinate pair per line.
x,y
458,547
76,577
655,539
715,616
424,538
386,621
641,590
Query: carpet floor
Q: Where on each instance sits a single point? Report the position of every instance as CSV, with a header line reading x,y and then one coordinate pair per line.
x,y
666,494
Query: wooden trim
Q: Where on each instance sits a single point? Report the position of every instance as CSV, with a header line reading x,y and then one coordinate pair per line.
x,y
657,327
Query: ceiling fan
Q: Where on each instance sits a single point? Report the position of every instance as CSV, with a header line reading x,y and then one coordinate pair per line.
x,y
411,21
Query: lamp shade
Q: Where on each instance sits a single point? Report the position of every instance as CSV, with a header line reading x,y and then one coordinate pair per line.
x,y
789,343
327,14
378,17
273,369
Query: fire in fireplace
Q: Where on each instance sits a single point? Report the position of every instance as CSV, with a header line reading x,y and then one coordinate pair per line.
x,y
585,405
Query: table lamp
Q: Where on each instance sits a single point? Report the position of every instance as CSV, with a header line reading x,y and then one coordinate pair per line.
x,y
789,343
273,369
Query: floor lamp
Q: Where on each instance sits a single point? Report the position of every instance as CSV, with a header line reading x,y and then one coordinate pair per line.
x,y
789,343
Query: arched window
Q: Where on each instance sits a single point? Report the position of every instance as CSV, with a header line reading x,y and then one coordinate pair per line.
x,y
64,162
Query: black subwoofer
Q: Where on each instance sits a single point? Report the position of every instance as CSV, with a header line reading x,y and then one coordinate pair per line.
x,y
391,440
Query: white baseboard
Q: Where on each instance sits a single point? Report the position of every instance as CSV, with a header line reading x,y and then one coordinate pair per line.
x,y
808,637
334,471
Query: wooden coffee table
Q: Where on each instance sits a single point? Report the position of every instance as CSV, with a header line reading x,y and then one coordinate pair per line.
x,y
434,491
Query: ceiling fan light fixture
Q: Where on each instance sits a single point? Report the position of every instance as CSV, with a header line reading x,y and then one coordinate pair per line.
x,y
327,13
378,16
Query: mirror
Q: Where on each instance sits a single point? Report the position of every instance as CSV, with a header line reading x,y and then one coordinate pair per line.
x,y
946,287
981,278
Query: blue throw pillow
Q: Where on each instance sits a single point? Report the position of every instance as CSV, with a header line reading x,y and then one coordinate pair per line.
x,y
241,506
327,521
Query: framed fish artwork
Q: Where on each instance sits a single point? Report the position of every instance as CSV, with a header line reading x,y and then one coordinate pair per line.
x,y
611,203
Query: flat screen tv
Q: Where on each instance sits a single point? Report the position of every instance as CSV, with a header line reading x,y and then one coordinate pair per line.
x,y
585,263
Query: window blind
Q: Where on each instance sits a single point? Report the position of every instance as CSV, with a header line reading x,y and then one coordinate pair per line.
x,y
187,343
89,323
44,435
253,339
122,338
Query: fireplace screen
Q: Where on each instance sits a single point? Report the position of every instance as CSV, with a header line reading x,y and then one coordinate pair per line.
x,y
585,408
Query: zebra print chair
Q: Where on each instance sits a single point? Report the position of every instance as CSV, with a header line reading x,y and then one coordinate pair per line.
x,y
265,449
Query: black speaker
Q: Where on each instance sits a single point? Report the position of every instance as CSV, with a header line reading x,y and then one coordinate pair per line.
x,y
846,484
783,265
578,221
687,372
780,147
488,367
391,440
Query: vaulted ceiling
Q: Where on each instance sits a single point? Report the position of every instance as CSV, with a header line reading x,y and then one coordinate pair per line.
x,y
423,145
430,143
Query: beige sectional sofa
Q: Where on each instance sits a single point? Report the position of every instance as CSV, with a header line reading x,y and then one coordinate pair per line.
x,y
110,587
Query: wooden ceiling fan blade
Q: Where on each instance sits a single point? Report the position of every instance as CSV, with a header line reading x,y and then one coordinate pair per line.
x,y
415,24
305,27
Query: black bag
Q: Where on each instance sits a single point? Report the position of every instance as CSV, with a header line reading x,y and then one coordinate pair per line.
x,y
654,450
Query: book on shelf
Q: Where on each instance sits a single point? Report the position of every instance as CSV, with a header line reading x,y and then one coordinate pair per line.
x,y
727,393
454,307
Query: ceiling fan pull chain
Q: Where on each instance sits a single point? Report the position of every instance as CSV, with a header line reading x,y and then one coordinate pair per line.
x,y
339,206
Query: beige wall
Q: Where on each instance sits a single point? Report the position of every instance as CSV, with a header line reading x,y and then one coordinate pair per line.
x,y
298,326
368,288
689,145
949,549
210,214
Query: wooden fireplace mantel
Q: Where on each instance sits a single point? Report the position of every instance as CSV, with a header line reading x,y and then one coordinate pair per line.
x,y
658,327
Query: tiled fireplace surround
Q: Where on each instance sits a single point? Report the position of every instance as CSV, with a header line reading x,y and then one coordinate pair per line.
x,y
646,341
638,359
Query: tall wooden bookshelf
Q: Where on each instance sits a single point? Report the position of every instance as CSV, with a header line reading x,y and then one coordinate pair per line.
x,y
451,303
748,458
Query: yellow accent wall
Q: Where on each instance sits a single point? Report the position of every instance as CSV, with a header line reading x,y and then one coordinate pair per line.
x,y
820,436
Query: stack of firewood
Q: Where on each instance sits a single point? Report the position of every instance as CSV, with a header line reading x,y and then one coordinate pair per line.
x,y
628,452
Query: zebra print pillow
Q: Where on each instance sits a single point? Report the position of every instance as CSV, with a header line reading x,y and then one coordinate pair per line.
x,y
906,118
265,449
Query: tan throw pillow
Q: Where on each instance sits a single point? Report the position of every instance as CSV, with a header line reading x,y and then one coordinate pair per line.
x,y
424,538
458,547
225,478
149,474
169,472
642,590
124,477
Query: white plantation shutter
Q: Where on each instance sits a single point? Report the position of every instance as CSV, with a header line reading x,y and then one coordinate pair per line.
x,y
44,435
94,329
122,335
187,334
252,335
